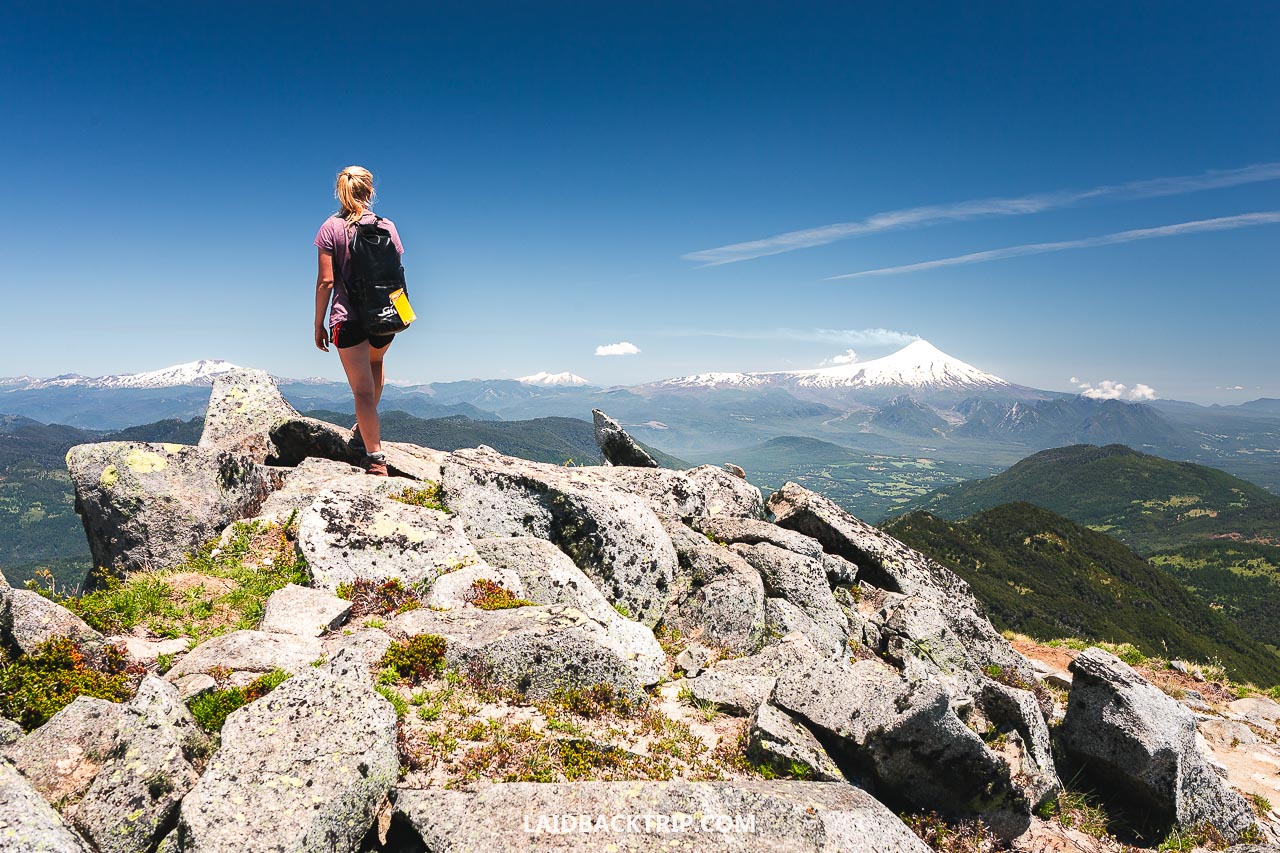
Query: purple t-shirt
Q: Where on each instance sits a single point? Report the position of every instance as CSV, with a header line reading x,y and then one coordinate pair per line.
x,y
334,237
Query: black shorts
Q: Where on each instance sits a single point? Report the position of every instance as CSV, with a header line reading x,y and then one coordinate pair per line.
x,y
346,334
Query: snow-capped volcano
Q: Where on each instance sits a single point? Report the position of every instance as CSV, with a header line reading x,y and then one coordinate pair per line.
x,y
561,380
918,365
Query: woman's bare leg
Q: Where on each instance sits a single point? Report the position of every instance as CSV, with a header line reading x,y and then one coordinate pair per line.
x,y
375,365
358,366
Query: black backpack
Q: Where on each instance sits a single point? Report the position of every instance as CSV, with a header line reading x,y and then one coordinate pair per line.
x,y
377,280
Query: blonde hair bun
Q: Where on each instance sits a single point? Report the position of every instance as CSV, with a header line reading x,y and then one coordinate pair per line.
x,y
354,191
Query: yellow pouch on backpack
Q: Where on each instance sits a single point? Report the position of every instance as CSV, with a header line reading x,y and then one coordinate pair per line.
x,y
400,300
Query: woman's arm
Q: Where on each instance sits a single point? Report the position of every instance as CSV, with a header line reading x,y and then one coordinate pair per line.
x,y
324,287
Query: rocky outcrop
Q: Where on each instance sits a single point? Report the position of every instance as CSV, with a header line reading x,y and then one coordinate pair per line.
x,y
61,758
1127,732
777,741
716,594
28,824
641,816
616,446
34,619
345,536
537,651
614,537
252,652
145,506
301,769
303,611
799,580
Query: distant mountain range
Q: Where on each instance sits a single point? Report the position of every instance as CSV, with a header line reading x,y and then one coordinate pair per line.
x,y
918,402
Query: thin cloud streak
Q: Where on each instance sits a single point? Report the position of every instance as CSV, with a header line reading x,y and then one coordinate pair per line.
x,y
935,214
1223,223
847,337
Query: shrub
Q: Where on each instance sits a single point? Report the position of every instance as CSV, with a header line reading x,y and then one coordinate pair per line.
x,y
970,836
34,687
429,495
211,709
594,702
491,595
378,598
417,658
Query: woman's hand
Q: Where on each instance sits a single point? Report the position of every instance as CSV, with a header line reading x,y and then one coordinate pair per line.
x,y
322,338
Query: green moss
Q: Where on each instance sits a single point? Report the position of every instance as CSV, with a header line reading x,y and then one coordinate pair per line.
x,y
429,496
34,687
211,709
417,658
397,701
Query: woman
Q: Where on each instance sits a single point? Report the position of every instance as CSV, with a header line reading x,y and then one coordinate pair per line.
x,y
361,354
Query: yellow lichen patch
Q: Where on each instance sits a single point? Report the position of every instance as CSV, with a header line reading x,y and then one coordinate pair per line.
x,y
144,461
172,448
110,475
385,527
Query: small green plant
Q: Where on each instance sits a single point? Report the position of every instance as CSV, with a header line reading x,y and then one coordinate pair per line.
x,y
429,496
417,658
1206,835
622,609
34,687
159,785
491,595
164,662
594,702
397,701
211,709
1261,804
969,836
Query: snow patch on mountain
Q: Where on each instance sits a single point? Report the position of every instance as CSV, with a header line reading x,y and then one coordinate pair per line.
x,y
554,380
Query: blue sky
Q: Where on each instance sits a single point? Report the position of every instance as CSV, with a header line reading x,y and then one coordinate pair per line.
x,y
559,172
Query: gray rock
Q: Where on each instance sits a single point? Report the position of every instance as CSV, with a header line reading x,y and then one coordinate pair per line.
x,y
752,531
616,446
254,652
781,618
145,506
783,816
345,536
882,560
735,470
35,620
304,768
1128,731
144,651
904,738
732,693
367,644
1227,734
693,659
28,824
840,572
135,796
548,576
193,685
450,590
800,580
1029,754
1258,710
304,611
10,732
6,610
702,491
61,757
314,476
717,595
612,536
776,740
537,651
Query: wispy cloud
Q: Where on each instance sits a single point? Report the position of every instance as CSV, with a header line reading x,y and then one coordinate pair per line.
x,y
845,337
620,348
1222,223
917,217
1108,389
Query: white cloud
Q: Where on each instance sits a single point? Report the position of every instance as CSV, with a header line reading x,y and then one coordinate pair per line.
x,y
846,357
1222,223
845,337
620,348
1108,389
965,210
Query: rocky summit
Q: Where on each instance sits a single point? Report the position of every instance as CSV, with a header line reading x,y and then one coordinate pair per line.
x,y
279,653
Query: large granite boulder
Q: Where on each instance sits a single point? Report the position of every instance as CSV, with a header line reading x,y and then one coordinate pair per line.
x,y
28,824
303,768
312,477
304,611
616,446
1128,733
134,798
254,652
752,531
643,816
905,739
548,576
61,758
801,580
537,651
145,506
702,491
34,619
614,537
347,535
779,742
717,595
